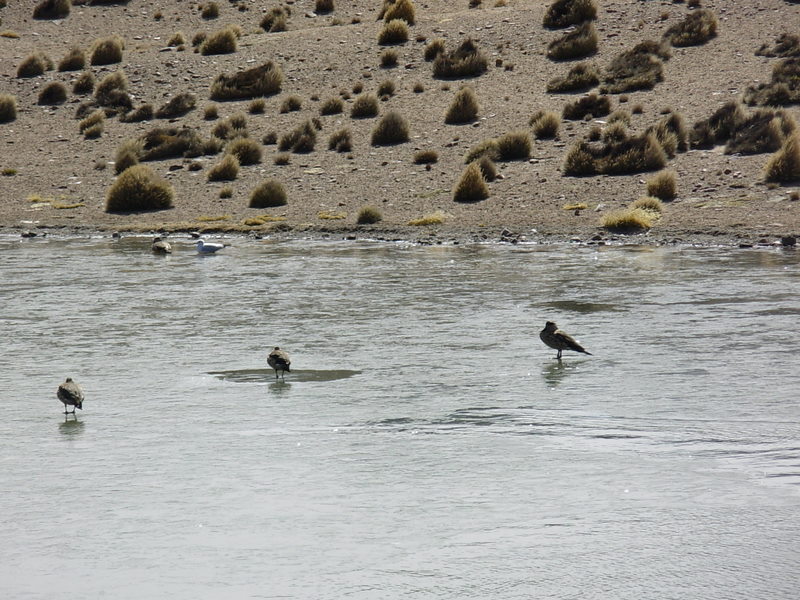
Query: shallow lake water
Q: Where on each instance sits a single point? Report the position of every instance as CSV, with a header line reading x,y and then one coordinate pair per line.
x,y
426,443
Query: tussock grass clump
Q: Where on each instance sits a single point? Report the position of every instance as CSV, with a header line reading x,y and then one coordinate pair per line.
x,y
639,68
143,112
719,127
581,77
783,89
75,60
112,92
671,133
614,132
465,61
275,20
84,84
697,28
464,107
257,106
628,220
487,167
53,93
649,203
323,7
515,145
393,32
471,186
177,39
332,106
763,131
169,142
226,169
247,151
264,80
231,128
369,215
8,108
290,104
620,115
268,194
138,189
365,106
563,13
636,154
209,10
33,65
127,155
282,159
545,125
435,218
52,9
300,140
177,106
94,132
93,119
426,157
211,112
341,141
219,42
398,9
388,59
786,45
578,43
784,165
391,129
106,51
433,49
226,191
386,88
594,105
663,185
484,148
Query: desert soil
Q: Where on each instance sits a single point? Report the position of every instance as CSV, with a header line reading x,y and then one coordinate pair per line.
x,y
720,197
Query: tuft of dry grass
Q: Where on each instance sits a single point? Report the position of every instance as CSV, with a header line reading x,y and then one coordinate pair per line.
x,y
226,169
785,46
484,148
106,51
784,165
663,185
545,125
581,77
300,140
386,88
170,142
578,43
671,132
96,118
365,106
719,127
291,103
275,20
426,157
33,65
8,108
389,59
650,204
219,42
391,129
393,32
464,107
143,112
637,154
323,7
696,28
369,215
763,131
53,93
639,68
264,80
84,84
593,105
435,218
332,106
331,216
563,13
226,191
257,106
341,141
434,48
465,61
487,167
783,88
471,186
627,220
177,39
127,155
268,194
138,189
177,106
247,151
515,145
112,91
398,9
75,60
52,9
210,10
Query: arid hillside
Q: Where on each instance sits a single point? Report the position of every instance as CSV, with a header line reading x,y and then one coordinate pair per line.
x,y
445,115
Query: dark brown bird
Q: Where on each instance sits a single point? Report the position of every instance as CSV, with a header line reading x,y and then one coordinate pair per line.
x,y
70,394
159,246
279,360
555,338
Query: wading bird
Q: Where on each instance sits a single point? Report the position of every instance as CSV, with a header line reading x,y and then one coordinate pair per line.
x,y
555,338
279,360
159,246
70,394
208,247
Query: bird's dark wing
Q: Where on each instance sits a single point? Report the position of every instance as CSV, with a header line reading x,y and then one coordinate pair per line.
x,y
569,342
70,392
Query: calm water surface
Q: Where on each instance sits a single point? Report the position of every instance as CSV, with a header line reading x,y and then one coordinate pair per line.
x,y
427,444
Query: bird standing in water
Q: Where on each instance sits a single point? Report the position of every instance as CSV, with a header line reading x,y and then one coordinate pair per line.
x,y
204,247
70,394
159,246
555,338
279,360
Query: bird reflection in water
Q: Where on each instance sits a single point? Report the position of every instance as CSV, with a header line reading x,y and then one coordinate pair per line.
x,y
280,387
557,372
71,426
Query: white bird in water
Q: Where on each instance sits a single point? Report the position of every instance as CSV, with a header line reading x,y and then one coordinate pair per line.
x,y
555,338
204,247
70,394
279,360
159,246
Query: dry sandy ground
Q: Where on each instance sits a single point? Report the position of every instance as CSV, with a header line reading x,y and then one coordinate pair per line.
x,y
720,196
